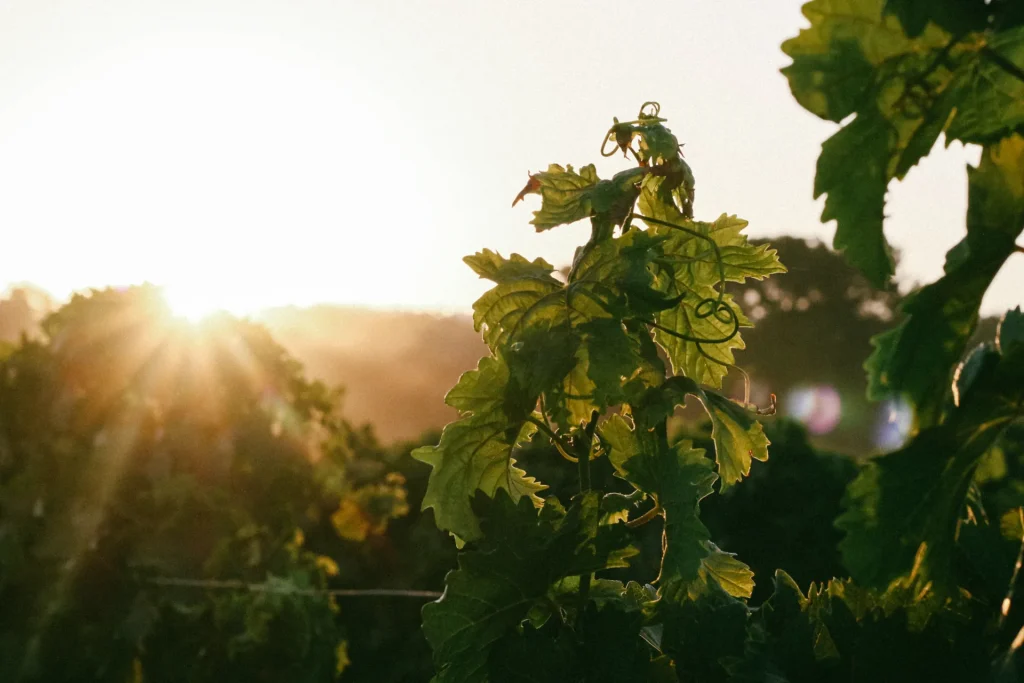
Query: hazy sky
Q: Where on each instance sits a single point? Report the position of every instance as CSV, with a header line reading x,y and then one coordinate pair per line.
x,y
250,153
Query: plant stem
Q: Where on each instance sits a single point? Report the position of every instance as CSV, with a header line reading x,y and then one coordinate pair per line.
x,y
584,452
554,438
584,449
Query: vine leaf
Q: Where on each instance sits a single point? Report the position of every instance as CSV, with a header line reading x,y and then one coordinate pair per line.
x,y
690,270
915,15
492,266
1010,333
738,436
568,196
480,391
903,510
614,359
835,59
520,555
474,454
563,199
840,632
705,362
680,477
852,59
917,358
989,98
723,570
852,172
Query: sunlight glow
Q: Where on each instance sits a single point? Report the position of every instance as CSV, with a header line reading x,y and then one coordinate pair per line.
x,y
191,304
226,173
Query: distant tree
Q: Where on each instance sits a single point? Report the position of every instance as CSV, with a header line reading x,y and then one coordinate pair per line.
x,y
135,448
813,326
21,310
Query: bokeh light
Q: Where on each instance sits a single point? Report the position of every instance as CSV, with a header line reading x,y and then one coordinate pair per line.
x,y
818,407
895,418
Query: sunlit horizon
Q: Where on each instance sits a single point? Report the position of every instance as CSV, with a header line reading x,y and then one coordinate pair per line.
x,y
250,157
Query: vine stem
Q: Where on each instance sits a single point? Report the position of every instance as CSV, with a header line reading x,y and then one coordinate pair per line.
x,y
694,233
584,449
554,438
646,517
236,584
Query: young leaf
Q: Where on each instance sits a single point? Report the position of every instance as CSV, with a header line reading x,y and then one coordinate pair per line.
x,y
490,265
563,199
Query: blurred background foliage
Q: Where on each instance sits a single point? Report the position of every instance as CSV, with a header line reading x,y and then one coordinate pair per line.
x,y
136,448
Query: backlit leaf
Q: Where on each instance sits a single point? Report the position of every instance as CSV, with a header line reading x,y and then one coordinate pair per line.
x,y
916,359
520,555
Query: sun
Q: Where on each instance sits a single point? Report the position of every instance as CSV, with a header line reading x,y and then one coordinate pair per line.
x,y
191,304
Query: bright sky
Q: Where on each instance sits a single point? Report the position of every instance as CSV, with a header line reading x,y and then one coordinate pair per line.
x,y
249,153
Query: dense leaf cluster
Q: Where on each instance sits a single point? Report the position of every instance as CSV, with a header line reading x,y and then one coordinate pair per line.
x,y
563,354
929,532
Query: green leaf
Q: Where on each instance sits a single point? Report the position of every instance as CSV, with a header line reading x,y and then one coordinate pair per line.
x,y
563,199
723,570
689,270
988,90
527,302
482,390
829,76
512,567
739,437
955,15
516,303
1010,333
706,361
679,477
838,632
474,454
916,358
852,170
492,266
834,59
693,258
854,60
903,511
614,358
568,196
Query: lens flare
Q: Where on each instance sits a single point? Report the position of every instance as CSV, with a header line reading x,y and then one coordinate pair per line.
x,y
818,407
895,417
